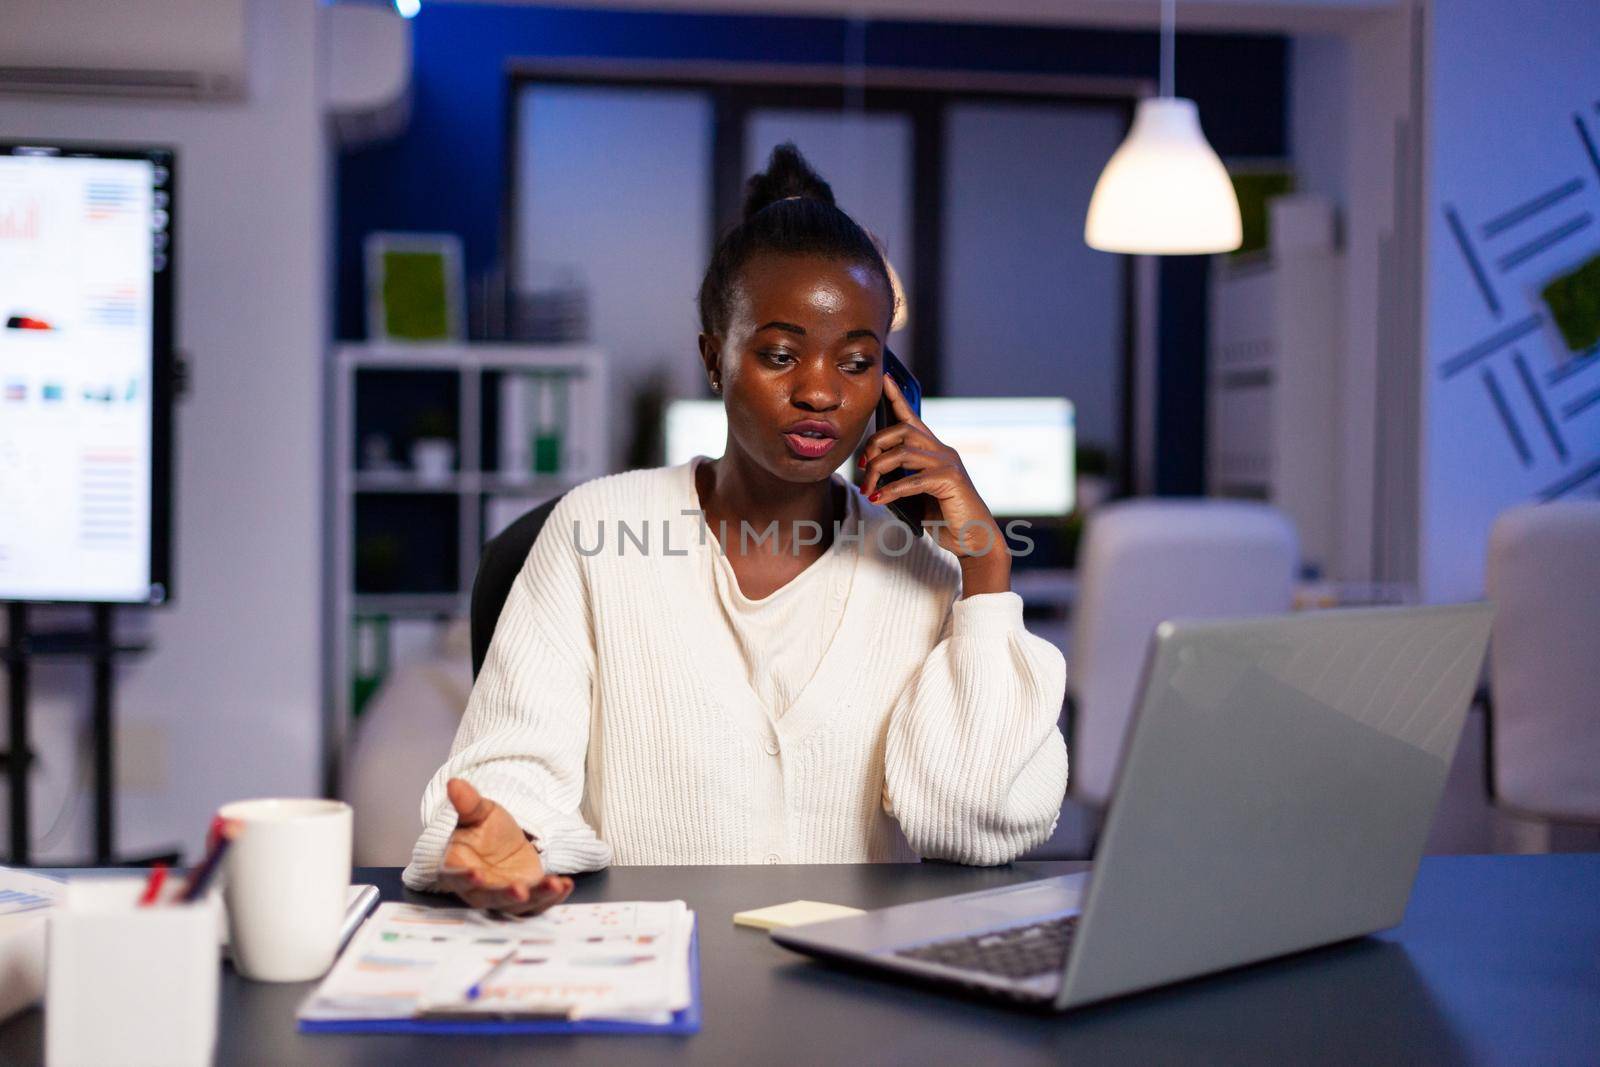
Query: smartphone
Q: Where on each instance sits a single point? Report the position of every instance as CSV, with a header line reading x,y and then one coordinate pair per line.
x,y
910,509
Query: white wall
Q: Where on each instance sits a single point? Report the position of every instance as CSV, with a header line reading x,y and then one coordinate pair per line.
x,y
1509,84
1377,488
1350,106
1319,94
232,689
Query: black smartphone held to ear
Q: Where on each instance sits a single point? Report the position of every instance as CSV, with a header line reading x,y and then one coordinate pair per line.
x,y
911,509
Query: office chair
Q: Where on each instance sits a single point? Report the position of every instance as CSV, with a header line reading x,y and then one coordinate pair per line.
x,y
503,556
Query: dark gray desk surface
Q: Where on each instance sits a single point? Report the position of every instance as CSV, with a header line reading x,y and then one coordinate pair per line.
x,y
1498,961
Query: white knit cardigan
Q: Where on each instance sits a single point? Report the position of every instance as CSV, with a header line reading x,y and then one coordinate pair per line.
x,y
614,731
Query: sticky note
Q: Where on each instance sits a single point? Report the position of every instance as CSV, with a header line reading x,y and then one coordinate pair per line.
x,y
794,913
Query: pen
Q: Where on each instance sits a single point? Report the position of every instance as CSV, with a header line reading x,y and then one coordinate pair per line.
x,y
475,990
222,834
152,887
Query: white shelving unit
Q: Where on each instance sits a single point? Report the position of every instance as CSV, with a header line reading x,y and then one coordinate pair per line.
x,y
476,483
1276,346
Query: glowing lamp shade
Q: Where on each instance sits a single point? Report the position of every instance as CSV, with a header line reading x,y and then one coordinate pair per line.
x,y
1164,192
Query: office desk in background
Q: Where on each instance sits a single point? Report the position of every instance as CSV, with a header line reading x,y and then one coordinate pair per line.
x,y
1498,961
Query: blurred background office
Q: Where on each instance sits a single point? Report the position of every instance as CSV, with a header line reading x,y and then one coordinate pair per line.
x,y
435,262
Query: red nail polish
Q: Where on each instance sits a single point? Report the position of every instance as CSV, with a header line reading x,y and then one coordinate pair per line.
x,y
873,496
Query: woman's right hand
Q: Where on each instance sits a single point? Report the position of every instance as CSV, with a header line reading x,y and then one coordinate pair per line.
x,y
490,863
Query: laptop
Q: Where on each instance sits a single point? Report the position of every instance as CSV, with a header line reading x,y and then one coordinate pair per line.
x,y
1276,788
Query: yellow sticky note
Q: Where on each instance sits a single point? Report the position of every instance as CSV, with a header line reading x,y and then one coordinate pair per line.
x,y
794,913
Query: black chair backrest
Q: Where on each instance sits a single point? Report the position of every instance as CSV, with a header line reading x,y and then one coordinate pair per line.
x,y
502,558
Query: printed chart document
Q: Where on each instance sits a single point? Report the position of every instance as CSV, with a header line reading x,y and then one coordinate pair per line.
x,y
25,901
627,961
23,891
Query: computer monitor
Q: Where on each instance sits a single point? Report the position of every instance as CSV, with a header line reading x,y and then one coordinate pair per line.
x,y
1018,450
693,428
86,296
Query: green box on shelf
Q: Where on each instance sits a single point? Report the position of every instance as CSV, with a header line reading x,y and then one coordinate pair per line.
x,y
1254,187
1574,302
547,453
414,303
414,287
369,662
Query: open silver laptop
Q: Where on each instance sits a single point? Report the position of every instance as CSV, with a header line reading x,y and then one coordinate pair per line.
x,y
1276,787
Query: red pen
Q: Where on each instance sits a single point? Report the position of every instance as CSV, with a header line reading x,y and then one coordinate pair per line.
x,y
152,888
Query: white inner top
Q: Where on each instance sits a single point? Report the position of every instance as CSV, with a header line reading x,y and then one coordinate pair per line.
x,y
780,638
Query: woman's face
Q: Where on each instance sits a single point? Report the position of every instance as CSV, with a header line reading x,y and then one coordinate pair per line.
x,y
802,361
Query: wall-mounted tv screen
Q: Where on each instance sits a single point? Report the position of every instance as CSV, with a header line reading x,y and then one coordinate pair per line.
x,y
86,309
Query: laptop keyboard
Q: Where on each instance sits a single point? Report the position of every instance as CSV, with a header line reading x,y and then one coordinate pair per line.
x,y
1015,952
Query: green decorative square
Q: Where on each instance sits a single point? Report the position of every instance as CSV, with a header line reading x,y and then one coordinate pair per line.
x,y
416,299
1574,302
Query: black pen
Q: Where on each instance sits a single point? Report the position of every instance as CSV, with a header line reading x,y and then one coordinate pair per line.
x,y
222,835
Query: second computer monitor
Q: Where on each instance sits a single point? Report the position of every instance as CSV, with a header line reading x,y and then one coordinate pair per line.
x,y
1018,450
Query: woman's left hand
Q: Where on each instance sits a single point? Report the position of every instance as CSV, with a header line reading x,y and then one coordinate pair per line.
x,y
966,528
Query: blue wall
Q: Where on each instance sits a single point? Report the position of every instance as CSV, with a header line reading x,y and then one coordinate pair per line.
x,y
1513,415
448,171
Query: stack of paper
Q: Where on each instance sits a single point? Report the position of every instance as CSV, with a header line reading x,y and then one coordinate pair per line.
x,y
625,961
25,900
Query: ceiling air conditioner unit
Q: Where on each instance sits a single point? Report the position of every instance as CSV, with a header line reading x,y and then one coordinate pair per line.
x,y
177,49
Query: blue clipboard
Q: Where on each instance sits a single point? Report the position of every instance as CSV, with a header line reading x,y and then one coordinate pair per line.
x,y
686,1021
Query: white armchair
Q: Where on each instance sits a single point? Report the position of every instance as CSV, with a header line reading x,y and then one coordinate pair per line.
x,y
1145,561
1544,663
402,738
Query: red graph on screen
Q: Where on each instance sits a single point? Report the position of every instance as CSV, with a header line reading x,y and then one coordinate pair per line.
x,y
19,221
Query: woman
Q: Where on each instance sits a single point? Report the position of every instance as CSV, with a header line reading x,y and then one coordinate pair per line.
x,y
748,659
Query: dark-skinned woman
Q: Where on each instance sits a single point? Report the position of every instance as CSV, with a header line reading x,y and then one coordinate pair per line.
x,y
748,659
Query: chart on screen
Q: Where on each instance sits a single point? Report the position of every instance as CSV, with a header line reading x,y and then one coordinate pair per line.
x,y
83,247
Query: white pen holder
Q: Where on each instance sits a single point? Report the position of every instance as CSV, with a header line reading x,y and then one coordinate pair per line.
x,y
127,984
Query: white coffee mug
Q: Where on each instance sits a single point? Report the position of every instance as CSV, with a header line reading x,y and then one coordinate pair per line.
x,y
286,875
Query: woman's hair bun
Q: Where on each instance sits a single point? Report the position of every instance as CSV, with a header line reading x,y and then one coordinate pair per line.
x,y
804,220
787,174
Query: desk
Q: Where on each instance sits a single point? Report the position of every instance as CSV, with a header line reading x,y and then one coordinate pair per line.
x,y
1498,962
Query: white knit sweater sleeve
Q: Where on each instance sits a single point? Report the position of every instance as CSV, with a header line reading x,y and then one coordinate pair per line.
x,y
525,734
975,766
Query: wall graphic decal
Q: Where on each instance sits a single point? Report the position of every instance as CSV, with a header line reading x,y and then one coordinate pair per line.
x,y
1545,254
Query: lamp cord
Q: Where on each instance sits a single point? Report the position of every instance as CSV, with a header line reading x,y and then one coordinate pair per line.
x,y
1169,19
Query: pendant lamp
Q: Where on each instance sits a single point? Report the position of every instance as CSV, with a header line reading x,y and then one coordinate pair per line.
x,y
1164,192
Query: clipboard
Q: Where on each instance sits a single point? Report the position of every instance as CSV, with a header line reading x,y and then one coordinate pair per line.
x,y
686,1021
